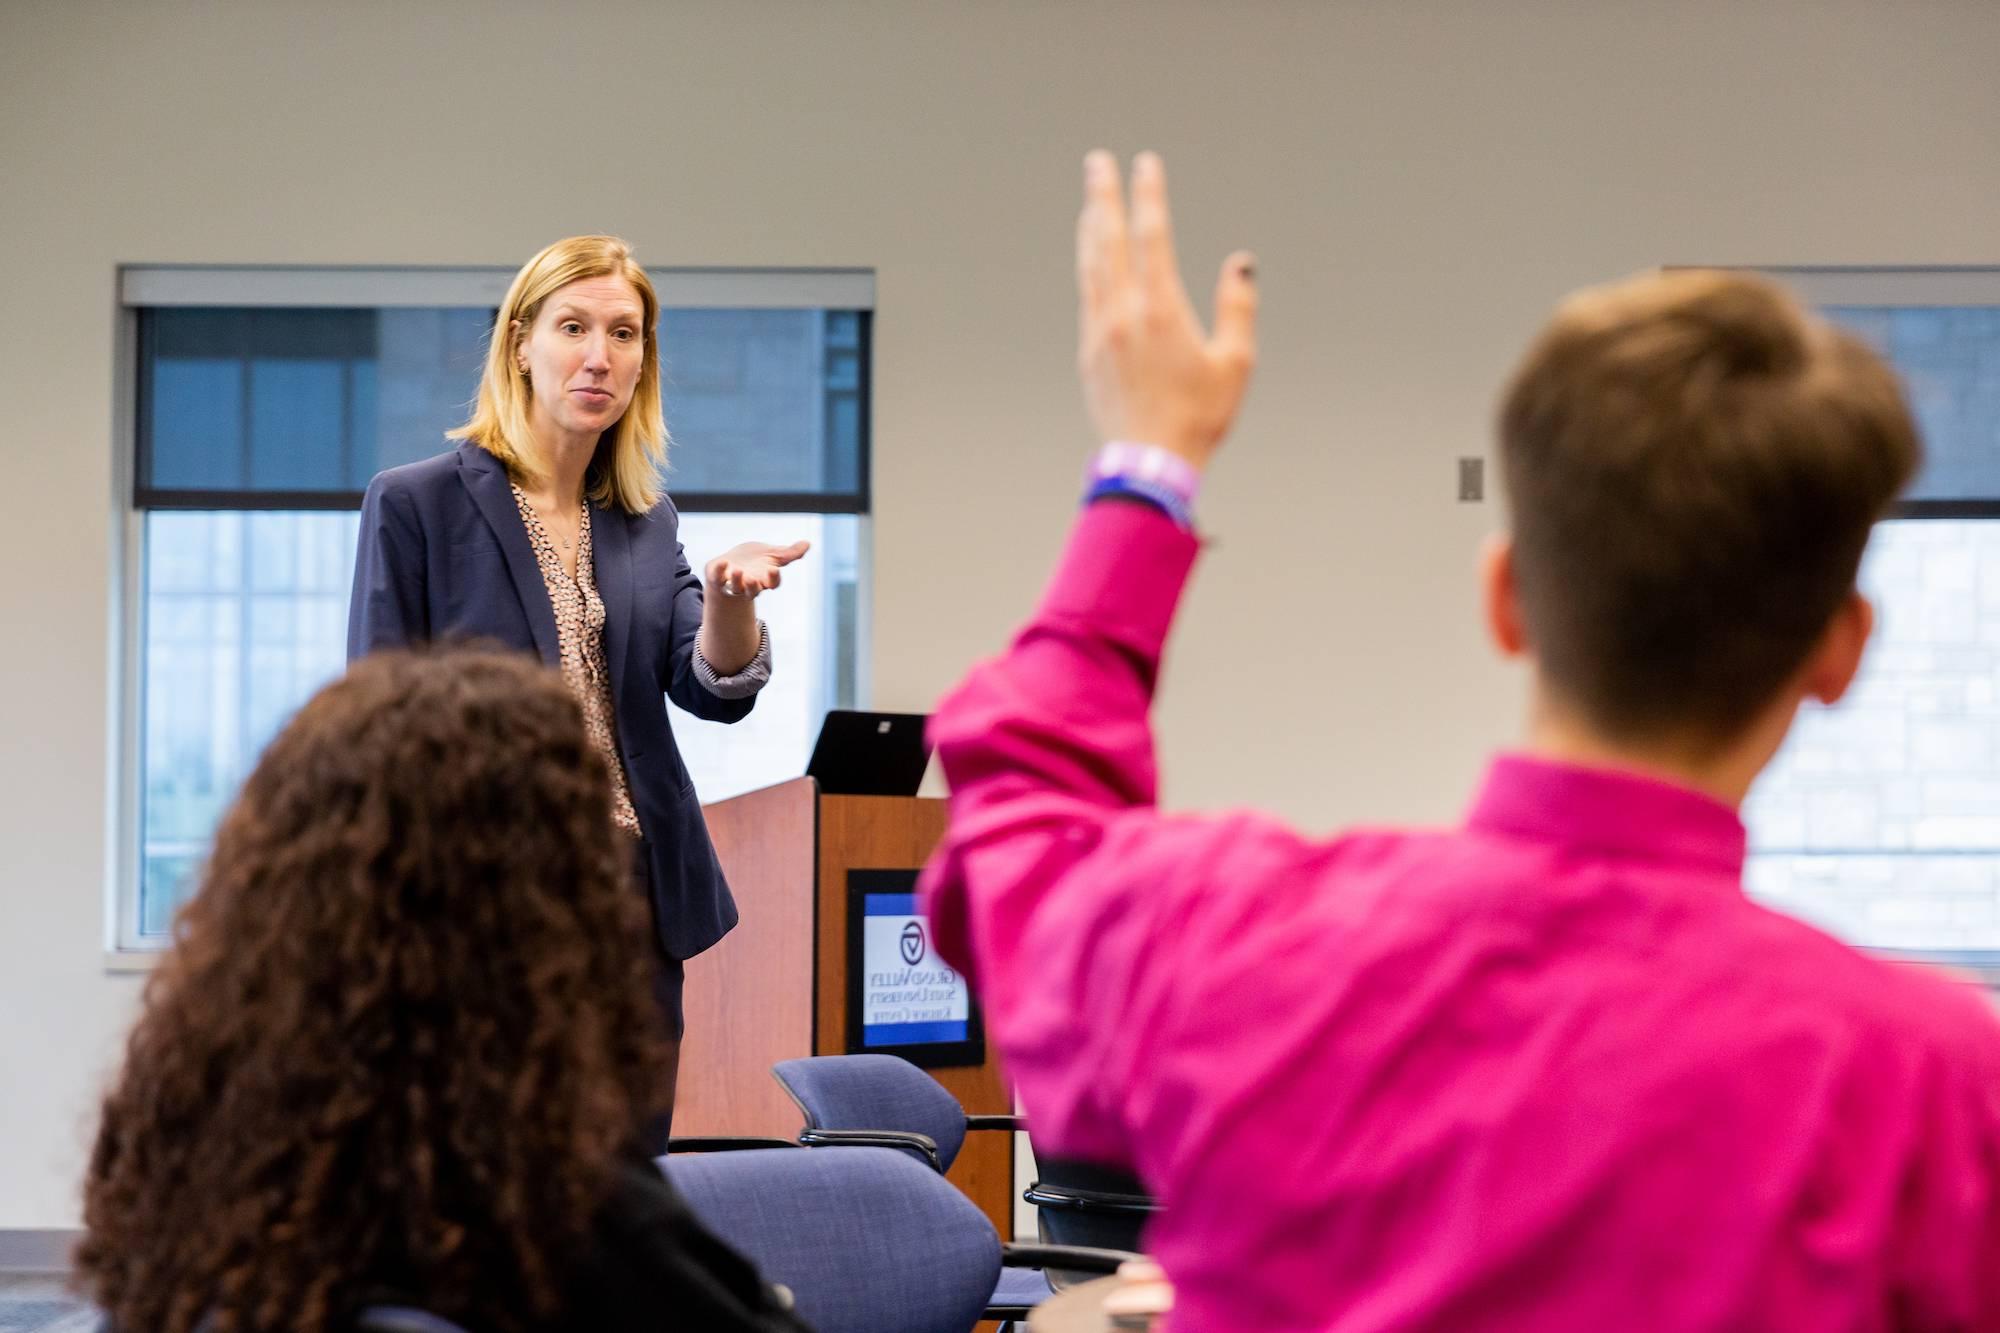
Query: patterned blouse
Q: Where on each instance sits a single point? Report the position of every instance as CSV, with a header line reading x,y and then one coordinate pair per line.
x,y
580,632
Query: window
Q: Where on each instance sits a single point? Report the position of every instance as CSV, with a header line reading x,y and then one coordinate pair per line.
x,y
1880,819
264,400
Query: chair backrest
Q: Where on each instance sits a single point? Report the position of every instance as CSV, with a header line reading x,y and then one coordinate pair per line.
x,y
1082,1203
867,1239
874,1092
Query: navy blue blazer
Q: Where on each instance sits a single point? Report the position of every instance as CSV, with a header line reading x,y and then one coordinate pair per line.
x,y
444,555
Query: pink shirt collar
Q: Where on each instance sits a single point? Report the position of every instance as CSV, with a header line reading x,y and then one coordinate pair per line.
x,y
1608,812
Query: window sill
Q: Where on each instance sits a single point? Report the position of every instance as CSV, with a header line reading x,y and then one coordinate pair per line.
x,y
1978,967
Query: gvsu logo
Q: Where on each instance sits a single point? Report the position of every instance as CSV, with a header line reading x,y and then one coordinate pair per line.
x,y
913,943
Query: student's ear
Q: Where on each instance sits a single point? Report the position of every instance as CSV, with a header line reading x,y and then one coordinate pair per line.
x,y
1837,660
1499,598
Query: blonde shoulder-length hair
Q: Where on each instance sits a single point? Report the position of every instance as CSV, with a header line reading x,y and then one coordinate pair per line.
x,y
632,452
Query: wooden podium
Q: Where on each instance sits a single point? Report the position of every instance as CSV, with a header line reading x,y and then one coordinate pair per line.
x,y
776,986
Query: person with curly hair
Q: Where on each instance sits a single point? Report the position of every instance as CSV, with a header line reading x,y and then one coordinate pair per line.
x,y
404,1043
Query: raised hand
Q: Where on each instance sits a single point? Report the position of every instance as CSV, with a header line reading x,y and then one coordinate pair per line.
x,y
1150,373
749,569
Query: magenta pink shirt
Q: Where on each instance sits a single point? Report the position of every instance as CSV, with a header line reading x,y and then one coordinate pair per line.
x,y
1551,1070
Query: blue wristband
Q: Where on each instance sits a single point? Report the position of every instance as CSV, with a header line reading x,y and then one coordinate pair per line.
x,y
1162,497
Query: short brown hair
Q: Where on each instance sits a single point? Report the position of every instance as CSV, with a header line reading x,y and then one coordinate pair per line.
x,y
1694,463
404,1028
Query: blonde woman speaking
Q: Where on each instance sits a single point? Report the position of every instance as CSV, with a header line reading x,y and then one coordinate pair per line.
x,y
547,530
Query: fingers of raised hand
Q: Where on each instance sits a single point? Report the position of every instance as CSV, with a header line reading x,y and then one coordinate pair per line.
x,y
1234,343
1102,263
1127,270
1158,272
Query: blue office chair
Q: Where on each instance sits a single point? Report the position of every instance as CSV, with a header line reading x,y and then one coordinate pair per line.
x,y
867,1240
884,1101
881,1101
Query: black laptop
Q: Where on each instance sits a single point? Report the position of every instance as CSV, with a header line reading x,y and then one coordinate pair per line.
x,y
870,754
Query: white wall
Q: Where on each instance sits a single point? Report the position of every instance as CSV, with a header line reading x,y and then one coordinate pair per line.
x,y
1420,180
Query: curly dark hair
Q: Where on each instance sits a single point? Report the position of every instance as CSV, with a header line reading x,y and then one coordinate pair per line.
x,y
405,1026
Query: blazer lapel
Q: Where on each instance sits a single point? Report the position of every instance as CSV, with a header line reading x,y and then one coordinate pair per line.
x,y
487,482
611,552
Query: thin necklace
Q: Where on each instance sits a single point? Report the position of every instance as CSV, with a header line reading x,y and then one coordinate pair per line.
x,y
568,543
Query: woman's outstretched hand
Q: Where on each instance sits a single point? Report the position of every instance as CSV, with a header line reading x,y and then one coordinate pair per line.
x,y
749,569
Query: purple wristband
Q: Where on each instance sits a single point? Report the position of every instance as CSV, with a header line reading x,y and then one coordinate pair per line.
x,y
1149,465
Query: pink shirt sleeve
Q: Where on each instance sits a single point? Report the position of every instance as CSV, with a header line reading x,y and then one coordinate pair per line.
x,y
1059,887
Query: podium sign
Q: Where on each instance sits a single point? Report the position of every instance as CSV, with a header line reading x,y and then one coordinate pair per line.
x,y
902,998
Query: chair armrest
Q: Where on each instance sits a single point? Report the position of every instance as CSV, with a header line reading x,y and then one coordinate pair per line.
x,y
1072,1258
923,1145
1065,1198
729,1143
1012,1123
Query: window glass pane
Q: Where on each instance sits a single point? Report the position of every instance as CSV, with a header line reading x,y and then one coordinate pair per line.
x,y
301,400
422,383
1880,818
258,399
749,397
298,424
197,377
1949,357
813,650
245,616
